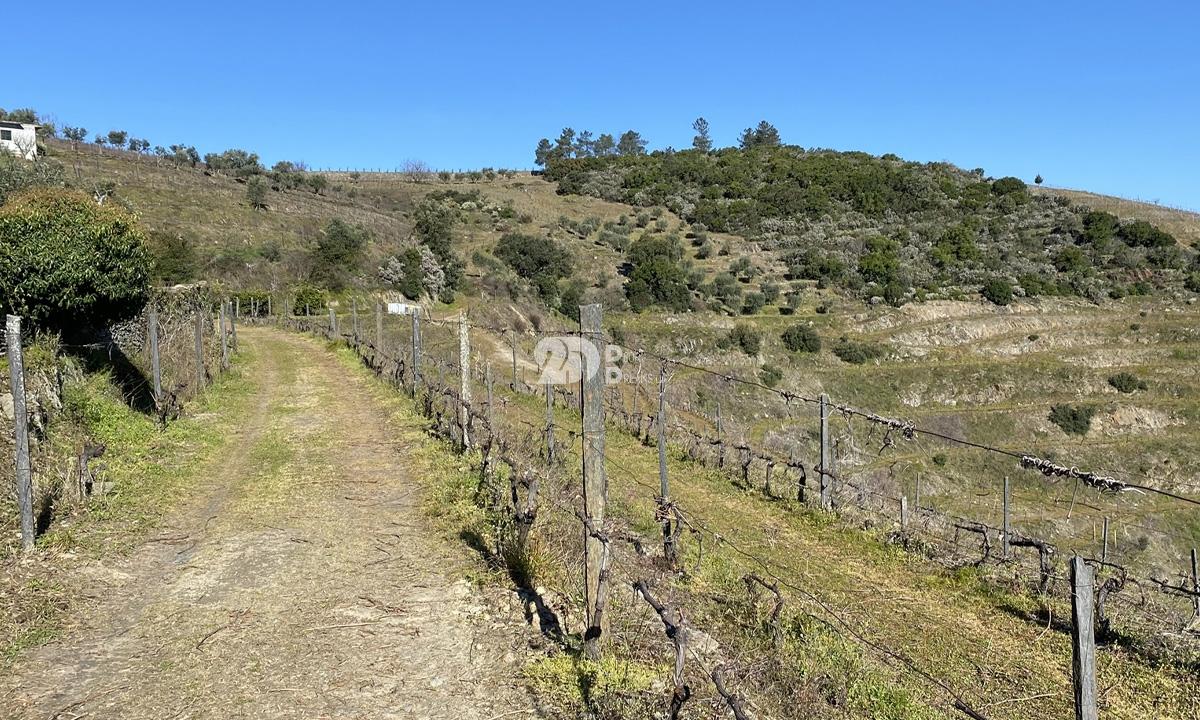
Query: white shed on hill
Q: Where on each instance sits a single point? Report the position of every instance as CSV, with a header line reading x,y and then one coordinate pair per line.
x,y
19,138
403,308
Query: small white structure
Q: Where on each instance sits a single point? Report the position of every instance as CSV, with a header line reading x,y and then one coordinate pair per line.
x,y
19,138
403,308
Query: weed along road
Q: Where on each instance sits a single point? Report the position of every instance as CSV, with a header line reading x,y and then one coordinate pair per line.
x,y
296,577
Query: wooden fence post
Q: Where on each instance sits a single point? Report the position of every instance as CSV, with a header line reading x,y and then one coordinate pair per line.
x,y
1195,584
904,512
549,423
224,337
917,494
200,374
595,482
1104,541
155,361
354,320
332,324
826,452
1006,527
16,373
379,329
1083,639
416,352
720,438
464,378
268,306
233,329
513,336
664,488
237,307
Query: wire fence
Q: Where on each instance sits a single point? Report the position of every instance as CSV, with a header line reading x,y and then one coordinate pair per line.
x,y
1160,612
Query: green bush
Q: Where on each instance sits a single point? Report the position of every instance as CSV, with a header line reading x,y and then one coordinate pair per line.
x,y
67,262
744,337
1072,419
998,291
308,298
541,261
857,353
1126,382
656,276
338,253
801,338
174,258
770,375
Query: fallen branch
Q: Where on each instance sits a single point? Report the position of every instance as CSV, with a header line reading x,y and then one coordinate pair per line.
x,y
735,701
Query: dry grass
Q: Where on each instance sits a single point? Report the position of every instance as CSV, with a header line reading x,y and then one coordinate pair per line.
x,y
1183,224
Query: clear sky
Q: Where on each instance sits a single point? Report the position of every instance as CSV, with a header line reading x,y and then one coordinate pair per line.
x,y
1098,95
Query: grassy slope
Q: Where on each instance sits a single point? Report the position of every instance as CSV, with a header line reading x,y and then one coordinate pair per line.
x,y
1183,224
992,646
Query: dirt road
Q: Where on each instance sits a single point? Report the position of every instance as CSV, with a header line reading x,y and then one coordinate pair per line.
x,y
300,580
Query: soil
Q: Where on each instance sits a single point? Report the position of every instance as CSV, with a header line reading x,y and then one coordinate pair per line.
x,y
301,579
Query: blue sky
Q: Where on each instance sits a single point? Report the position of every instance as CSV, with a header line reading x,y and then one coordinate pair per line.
x,y
1102,96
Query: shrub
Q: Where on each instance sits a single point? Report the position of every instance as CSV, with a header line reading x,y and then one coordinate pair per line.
x,y
307,298
1072,419
745,337
998,291
338,253
939,459
1126,382
753,303
801,338
857,353
174,258
541,261
656,276
770,375
67,262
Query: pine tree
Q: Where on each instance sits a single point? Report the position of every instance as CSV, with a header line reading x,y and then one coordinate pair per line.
x,y
701,141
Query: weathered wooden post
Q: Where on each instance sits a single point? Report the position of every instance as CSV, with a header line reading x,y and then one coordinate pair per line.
x,y
917,494
354,320
333,328
664,488
233,330
826,453
200,374
1195,584
903,512
595,481
155,361
224,337
464,378
379,329
515,380
720,438
237,307
1104,541
549,423
16,374
1083,639
1006,527
269,306
416,352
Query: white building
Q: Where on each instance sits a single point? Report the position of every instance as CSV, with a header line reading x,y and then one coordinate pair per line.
x,y
19,138
403,308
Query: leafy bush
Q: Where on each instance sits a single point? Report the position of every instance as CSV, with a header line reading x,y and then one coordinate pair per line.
x,y
67,262
174,258
744,337
857,353
1126,382
754,302
998,291
338,253
801,338
1072,419
405,273
308,298
541,261
656,276
770,375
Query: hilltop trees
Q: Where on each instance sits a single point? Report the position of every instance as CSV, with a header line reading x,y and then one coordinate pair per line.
x,y
237,162
572,145
117,138
764,135
702,141
76,135
541,261
631,143
256,192
67,262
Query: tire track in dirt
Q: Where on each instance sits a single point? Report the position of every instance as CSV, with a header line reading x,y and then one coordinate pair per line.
x,y
305,583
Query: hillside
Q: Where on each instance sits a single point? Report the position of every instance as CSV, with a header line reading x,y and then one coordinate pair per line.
x,y
750,316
